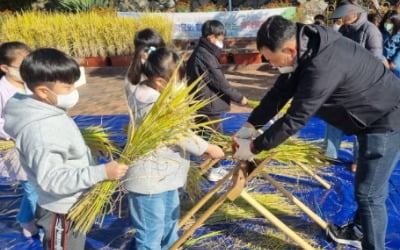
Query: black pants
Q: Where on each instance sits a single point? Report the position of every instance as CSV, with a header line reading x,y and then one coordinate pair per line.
x,y
206,133
57,234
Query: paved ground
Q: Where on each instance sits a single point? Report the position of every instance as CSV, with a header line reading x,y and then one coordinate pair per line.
x,y
103,93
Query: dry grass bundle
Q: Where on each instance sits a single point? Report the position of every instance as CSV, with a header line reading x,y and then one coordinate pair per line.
x,y
159,23
293,150
5,145
83,34
98,140
170,119
240,209
193,184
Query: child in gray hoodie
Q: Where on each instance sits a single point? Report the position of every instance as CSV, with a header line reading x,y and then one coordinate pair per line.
x,y
52,150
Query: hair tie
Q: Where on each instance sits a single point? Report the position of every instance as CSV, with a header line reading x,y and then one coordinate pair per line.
x,y
151,49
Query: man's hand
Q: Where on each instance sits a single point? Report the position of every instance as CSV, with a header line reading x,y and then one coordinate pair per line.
x,y
115,171
246,131
243,151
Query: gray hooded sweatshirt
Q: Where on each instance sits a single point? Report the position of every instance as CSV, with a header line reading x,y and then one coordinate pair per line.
x,y
166,168
52,152
366,34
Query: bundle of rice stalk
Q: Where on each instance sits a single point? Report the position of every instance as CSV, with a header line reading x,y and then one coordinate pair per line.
x,y
295,150
284,109
170,119
193,241
193,184
240,209
5,145
98,140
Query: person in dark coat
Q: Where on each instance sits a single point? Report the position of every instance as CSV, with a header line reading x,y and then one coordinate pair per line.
x,y
359,29
204,62
341,82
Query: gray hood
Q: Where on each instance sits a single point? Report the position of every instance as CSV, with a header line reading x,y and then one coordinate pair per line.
x,y
358,24
51,151
31,109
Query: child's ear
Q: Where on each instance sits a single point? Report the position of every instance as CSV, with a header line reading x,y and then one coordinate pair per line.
x,y
211,38
41,92
4,68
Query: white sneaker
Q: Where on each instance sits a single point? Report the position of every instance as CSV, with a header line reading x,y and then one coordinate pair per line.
x,y
216,174
29,229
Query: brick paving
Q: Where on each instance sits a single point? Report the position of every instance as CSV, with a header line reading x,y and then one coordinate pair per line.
x,y
103,94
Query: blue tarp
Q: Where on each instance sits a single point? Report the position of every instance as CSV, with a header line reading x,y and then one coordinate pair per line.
x,y
335,205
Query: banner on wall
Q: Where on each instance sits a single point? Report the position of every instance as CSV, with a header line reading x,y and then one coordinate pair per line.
x,y
244,23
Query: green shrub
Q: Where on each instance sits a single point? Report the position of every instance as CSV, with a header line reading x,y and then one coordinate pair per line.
x,y
84,5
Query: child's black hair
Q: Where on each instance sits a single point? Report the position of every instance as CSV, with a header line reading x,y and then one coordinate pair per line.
x,y
9,52
389,14
162,63
319,19
212,27
46,66
144,41
396,24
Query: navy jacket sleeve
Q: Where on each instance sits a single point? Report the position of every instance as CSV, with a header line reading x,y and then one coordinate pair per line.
x,y
315,85
216,79
272,102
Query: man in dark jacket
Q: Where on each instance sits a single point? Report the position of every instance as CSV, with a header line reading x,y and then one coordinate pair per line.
x,y
336,79
204,62
359,29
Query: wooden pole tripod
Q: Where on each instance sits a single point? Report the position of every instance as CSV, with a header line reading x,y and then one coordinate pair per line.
x,y
238,181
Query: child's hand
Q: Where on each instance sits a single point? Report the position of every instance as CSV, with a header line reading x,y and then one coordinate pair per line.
x,y
115,171
214,151
244,101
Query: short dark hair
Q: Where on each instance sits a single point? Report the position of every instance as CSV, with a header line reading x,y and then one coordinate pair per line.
x,y
144,39
212,27
45,66
274,32
319,19
9,51
389,14
161,63
148,37
396,23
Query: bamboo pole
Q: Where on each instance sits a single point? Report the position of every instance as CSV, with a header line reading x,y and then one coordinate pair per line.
x,y
206,198
306,169
215,189
200,221
324,183
275,221
235,191
207,164
296,201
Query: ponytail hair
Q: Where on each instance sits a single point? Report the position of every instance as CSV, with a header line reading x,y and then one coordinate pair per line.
x,y
162,63
9,52
145,41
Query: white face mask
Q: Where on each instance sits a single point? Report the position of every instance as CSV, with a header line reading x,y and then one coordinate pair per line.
x,y
67,101
219,44
14,74
336,27
287,69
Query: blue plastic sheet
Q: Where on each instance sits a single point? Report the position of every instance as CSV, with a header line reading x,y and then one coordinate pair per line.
x,y
335,205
